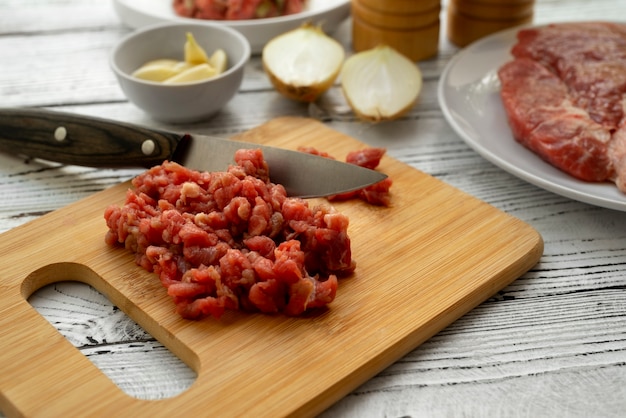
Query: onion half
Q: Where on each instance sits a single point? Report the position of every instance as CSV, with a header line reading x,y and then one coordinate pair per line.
x,y
380,84
303,63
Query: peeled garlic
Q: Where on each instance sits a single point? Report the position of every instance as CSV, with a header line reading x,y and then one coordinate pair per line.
x,y
219,61
196,66
380,83
303,63
194,54
160,70
195,73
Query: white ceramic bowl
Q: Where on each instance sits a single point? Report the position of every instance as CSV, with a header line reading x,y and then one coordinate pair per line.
x,y
181,103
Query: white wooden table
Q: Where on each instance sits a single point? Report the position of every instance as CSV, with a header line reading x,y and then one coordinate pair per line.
x,y
553,343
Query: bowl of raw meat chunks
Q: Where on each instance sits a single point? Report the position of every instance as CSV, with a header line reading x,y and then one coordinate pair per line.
x,y
258,21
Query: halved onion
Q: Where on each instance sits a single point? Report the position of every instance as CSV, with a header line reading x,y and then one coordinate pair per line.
x,y
380,84
303,63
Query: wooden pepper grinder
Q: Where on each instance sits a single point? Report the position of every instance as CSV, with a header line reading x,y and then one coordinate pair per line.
x,y
409,26
470,20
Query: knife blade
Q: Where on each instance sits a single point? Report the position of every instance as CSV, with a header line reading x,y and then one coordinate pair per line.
x,y
73,139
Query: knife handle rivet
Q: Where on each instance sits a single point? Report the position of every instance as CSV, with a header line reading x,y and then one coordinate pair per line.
x,y
147,147
60,133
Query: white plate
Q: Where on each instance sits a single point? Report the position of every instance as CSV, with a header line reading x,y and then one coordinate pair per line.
x,y
469,95
328,13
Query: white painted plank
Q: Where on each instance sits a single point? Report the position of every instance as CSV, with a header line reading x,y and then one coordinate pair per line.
x,y
553,343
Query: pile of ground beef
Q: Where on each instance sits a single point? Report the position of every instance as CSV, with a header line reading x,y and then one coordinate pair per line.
x,y
231,240
376,194
236,9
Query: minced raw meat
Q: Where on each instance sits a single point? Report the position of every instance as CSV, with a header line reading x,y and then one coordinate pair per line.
x,y
232,240
377,193
236,9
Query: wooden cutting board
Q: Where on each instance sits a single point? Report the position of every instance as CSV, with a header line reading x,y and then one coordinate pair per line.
x,y
422,263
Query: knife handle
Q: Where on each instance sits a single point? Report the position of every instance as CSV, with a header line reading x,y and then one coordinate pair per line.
x,y
79,140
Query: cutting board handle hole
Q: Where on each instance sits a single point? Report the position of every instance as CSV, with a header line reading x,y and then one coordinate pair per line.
x,y
95,325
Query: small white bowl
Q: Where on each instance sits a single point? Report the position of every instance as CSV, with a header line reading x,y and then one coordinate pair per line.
x,y
179,103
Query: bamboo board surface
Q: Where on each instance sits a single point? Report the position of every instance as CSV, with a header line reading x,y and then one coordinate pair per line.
x,y
422,263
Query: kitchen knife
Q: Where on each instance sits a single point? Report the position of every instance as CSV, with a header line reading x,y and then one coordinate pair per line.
x,y
95,142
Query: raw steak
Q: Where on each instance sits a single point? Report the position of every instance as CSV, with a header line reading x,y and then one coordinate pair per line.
x,y
543,118
564,95
590,57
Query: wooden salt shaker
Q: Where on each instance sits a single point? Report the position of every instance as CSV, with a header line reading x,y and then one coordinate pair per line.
x,y
409,26
470,20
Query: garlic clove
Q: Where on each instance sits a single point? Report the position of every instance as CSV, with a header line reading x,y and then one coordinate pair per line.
x,y
158,70
380,84
163,62
303,63
194,53
181,66
219,61
196,66
195,73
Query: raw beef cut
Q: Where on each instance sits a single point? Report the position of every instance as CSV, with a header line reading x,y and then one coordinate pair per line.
x,y
543,118
565,97
589,57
